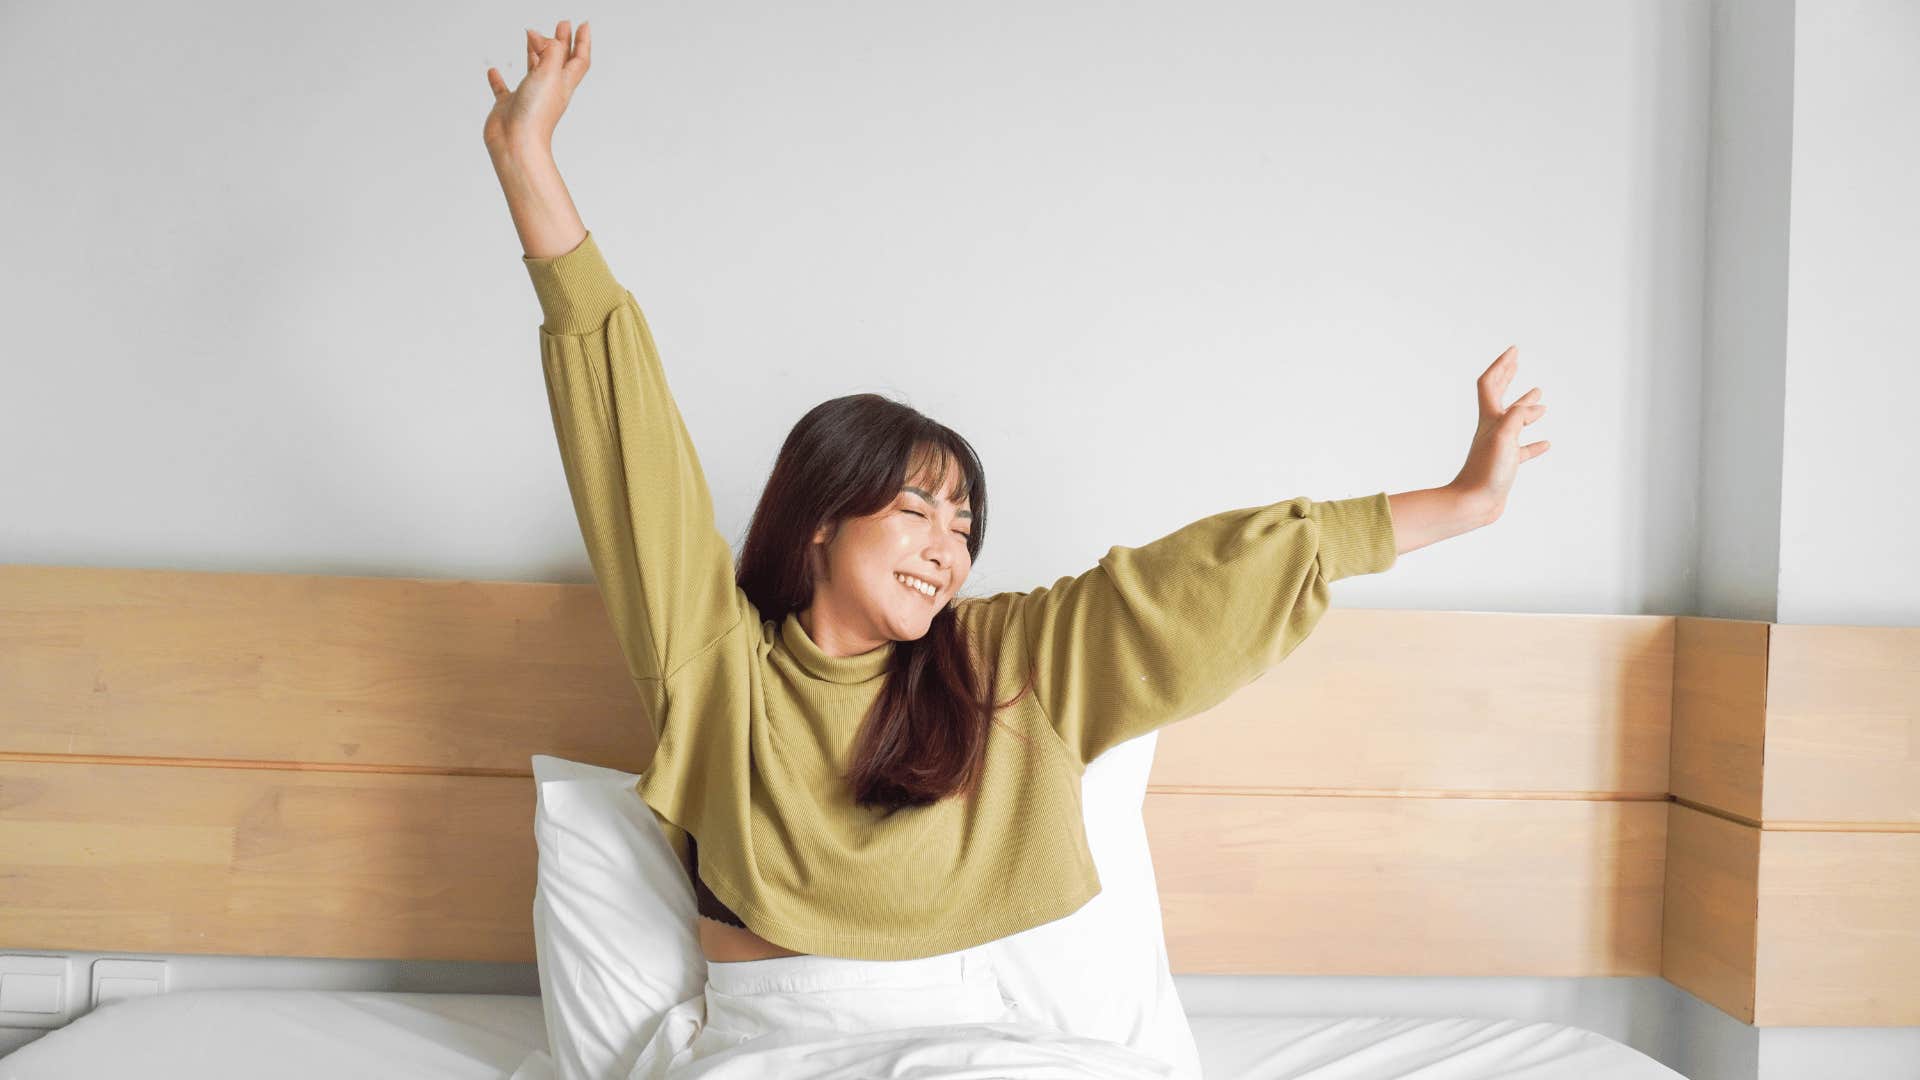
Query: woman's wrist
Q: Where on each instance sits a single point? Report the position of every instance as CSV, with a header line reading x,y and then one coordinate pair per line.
x,y
1432,514
1479,506
521,150
543,212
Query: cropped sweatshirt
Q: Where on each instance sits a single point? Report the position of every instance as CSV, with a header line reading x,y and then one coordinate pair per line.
x,y
754,725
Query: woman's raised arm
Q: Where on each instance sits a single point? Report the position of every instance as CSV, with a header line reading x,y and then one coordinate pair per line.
x,y
664,570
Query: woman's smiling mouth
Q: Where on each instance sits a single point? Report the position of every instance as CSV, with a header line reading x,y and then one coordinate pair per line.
x,y
925,589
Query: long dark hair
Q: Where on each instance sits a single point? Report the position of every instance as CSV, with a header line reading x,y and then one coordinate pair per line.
x,y
926,735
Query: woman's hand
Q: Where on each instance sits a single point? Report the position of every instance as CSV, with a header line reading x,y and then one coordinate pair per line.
x,y
1496,453
528,113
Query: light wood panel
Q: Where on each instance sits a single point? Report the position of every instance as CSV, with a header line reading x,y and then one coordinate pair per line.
x,y
1843,727
265,862
1719,712
404,674
1405,702
1839,929
338,766
1793,862
1794,927
296,682
1406,886
1711,916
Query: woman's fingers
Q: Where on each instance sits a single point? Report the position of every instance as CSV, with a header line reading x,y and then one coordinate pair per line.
x,y
569,52
494,80
1493,381
1532,405
573,44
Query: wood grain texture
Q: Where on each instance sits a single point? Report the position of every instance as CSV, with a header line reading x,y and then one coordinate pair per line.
x,y
1793,860
1710,922
303,765
302,670
1384,701
262,862
1720,712
1305,885
1843,728
1839,929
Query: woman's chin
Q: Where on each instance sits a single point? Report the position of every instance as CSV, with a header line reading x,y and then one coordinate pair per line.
x,y
909,628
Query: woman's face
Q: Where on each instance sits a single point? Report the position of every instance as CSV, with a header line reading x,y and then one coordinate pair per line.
x,y
859,602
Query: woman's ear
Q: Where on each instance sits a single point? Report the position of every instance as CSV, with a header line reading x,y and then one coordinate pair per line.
x,y
817,552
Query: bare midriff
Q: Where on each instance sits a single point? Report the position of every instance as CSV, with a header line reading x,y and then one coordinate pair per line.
x,y
731,944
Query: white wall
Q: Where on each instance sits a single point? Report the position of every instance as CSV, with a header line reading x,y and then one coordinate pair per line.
x,y
1743,352
1154,261
1850,482
1810,458
267,311
1809,449
1851,458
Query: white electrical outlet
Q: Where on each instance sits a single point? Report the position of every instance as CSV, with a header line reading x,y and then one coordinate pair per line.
x,y
117,980
33,991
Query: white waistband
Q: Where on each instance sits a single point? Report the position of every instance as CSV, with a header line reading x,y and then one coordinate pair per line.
x,y
781,974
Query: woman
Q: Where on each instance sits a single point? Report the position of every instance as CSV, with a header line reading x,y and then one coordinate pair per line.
x,y
866,776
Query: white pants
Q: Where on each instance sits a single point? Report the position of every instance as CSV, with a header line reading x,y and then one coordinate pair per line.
x,y
826,994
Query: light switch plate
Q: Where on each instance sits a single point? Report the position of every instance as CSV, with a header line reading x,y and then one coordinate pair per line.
x,y
117,980
33,991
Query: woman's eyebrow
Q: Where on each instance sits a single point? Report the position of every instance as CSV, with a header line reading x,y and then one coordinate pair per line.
x,y
925,495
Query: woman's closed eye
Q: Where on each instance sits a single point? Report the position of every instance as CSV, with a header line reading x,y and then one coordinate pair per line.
x,y
962,535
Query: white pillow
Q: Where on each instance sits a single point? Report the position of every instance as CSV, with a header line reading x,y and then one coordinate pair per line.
x,y
613,919
1102,971
617,947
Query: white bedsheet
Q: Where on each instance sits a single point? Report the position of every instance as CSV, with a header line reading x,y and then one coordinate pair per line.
x,y
290,1035
315,1034
1385,1047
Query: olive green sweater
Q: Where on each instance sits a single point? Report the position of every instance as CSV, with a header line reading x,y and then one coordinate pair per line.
x,y
754,724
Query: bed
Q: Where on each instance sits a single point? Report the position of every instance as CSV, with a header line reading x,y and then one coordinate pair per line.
x,y
302,1034
278,765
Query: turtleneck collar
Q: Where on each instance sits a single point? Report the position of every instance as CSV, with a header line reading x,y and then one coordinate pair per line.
x,y
839,669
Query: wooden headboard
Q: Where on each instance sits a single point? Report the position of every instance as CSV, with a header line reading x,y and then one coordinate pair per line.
x,y
298,765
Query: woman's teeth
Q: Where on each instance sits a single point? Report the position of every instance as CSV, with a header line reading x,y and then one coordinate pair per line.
x,y
916,585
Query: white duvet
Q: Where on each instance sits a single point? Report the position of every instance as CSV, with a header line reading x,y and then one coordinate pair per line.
x,y
329,1035
1236,1048
1012,1050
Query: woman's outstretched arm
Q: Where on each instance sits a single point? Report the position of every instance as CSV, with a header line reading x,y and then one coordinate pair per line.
x,y
1156,633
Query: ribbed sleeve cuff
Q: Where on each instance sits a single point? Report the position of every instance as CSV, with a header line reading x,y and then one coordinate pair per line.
x,y
577,291
1356,536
